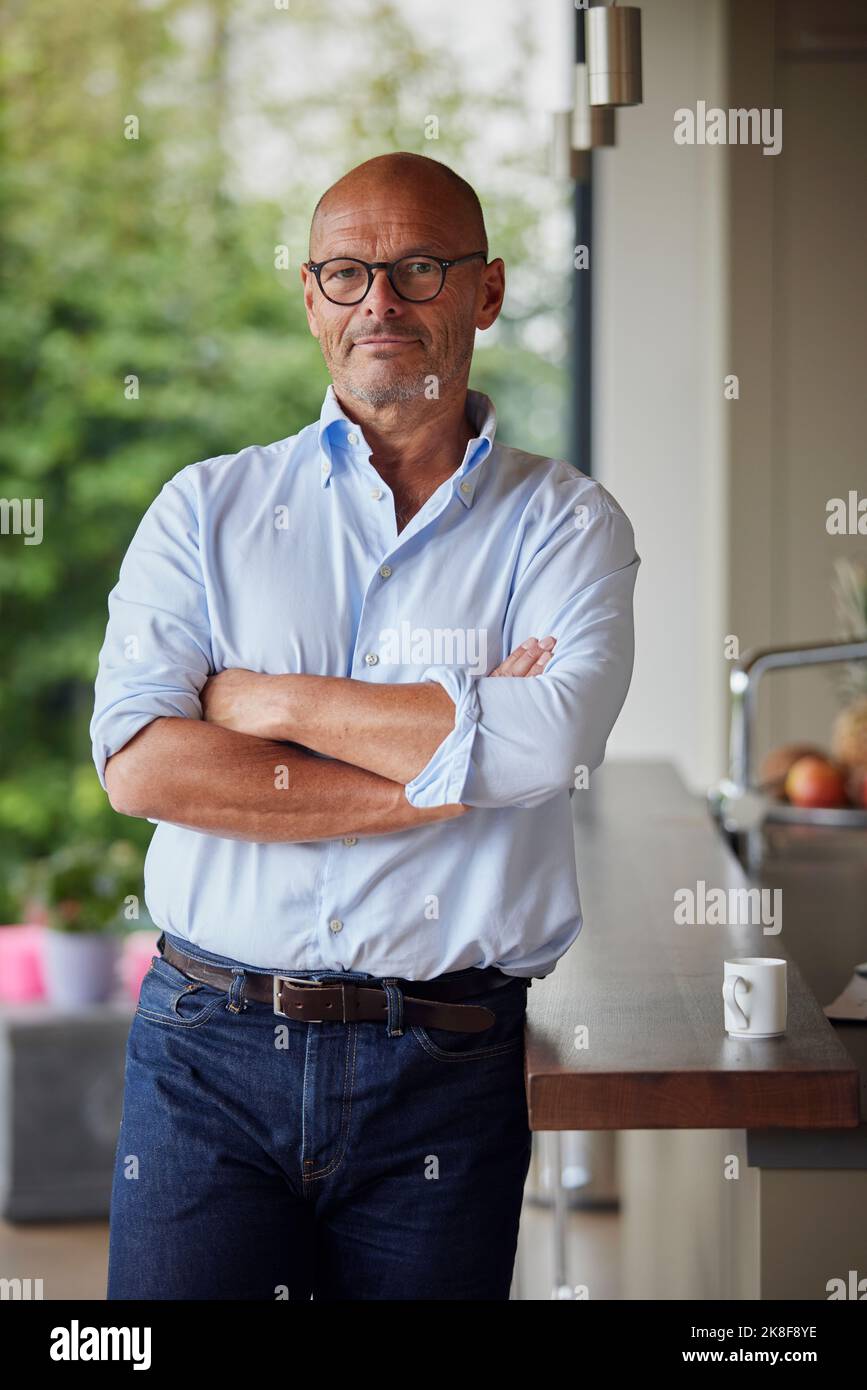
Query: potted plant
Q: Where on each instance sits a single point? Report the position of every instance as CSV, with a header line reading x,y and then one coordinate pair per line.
x,y
90,892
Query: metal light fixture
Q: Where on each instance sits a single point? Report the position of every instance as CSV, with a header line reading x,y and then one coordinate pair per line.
x,y
592,126
613,41
556,81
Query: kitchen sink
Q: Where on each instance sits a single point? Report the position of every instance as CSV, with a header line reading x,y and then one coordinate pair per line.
x,y
755,823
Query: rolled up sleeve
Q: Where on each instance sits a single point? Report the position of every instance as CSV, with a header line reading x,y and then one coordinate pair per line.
x,y
157,650
517,741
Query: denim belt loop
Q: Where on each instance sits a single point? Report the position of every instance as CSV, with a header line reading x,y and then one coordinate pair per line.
x,y
237,1003
394,995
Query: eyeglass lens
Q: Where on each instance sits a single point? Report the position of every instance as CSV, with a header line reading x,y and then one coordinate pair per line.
x,y
415,277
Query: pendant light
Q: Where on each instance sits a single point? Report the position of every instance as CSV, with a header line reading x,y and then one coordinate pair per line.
x,y
555,82
592,126
613,50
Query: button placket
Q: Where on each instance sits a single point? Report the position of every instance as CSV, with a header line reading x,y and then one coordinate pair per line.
x,y
368,624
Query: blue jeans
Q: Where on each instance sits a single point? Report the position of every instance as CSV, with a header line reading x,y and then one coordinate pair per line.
x,y
262,1157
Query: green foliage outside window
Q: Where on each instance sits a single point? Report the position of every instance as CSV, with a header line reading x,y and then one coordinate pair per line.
x,y
144,326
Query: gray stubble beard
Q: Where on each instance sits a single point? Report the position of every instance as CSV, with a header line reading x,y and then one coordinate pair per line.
x,y
406,389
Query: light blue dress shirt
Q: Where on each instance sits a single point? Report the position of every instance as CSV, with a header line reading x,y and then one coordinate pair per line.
x,y
287,558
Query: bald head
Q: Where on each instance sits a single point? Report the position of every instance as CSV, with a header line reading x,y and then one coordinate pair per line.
x,y
410,179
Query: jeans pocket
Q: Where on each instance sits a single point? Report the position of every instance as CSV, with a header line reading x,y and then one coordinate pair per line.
x,y
505,1035
170,997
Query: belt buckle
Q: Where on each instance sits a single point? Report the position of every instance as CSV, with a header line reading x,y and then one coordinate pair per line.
x,y
280,980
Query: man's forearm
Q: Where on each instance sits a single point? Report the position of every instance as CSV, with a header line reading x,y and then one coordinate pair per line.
x,y
224,783
392,730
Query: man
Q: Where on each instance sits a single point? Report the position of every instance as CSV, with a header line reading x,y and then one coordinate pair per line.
x,y
302,685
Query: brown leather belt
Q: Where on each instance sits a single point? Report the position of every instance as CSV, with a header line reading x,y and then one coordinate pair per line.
x,y
343,1001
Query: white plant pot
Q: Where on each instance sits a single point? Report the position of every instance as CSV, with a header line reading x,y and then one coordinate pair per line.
x,y
80,967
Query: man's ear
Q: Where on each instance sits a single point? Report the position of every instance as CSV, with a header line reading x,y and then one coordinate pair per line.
x,y
308,281
493,289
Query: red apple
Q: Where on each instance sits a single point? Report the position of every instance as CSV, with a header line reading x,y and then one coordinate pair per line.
x,y
775,765
816,782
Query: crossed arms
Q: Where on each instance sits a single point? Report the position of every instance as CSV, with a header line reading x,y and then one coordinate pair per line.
x,y
262,758
218,774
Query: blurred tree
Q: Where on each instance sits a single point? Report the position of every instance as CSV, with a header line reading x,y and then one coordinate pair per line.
x,y
144,326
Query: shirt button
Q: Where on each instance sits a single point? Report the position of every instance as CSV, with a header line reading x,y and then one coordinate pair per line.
x,y
466,487
324,466
335,924
371,658
385,571
350,839
352,437
376,493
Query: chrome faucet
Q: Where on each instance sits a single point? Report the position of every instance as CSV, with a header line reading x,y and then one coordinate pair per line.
x,y
739,802
744,681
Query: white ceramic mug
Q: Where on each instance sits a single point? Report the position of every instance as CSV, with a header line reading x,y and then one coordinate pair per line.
x,y
754,996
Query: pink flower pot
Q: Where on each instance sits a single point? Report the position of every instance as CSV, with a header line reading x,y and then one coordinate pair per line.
x,y
139,949
22,977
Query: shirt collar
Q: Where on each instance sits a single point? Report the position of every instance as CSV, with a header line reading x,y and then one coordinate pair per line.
x,y
337,432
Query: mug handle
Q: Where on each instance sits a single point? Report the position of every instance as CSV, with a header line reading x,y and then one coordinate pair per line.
x,y
730,985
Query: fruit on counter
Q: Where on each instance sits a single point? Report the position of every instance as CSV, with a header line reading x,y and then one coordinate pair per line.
x,y
816,782
849,735
856,786
775,765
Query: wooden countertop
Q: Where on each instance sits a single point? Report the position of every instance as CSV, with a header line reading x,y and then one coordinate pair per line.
x,y
649,991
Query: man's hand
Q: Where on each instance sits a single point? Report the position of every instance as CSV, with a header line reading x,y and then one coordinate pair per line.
x,y
252,703
527,660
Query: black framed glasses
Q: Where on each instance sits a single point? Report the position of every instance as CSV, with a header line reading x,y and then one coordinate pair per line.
x,y
346,280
